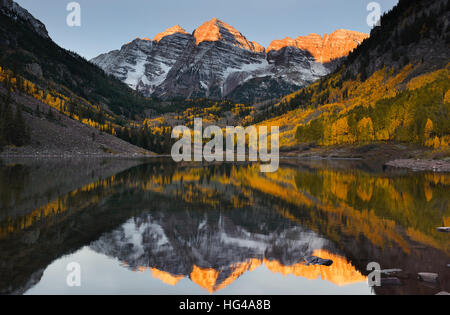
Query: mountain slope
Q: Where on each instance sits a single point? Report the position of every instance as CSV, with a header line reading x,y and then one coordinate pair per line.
x,y
217,61
393,87
56,135
26,49
144,64
82,103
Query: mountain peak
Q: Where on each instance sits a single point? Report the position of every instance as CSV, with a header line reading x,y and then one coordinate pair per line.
x,y
323,48
170,31
329,47
208,32
216,30
281,43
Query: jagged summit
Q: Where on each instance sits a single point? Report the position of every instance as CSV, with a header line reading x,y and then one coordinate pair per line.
x,y
323,48
170,31
218,61
215,30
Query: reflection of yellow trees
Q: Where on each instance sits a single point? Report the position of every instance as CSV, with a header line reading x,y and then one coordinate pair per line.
x,y
353,202
379,230
380,198
446,221
365,189
428,192
53,208
339,184
57,207
197,194
436,179
422,238
386,210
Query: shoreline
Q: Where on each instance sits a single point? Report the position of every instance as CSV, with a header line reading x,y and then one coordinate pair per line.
x,y
418,165
74,156
390,155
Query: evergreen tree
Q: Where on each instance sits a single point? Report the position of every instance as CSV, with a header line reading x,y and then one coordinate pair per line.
x,y
20,133
38,111
50,114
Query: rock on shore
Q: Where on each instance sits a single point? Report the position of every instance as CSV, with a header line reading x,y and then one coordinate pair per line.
x,y
421,165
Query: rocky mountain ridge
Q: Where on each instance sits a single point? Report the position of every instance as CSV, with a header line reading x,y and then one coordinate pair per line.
x,y
216,60
325,48
15,11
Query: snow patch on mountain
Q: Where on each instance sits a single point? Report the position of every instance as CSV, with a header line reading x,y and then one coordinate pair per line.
x,y
216,60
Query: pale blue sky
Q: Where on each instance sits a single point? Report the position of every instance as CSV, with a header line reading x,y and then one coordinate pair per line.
x,y
108,24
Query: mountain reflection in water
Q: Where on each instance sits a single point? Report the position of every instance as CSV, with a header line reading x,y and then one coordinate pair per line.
x,y
214,224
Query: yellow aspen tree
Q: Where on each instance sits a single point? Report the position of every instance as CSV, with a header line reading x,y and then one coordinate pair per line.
x,y
436,142
365,129
428,129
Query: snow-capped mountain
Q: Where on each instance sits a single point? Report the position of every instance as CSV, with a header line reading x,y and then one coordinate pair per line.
x,y
144,64
217,61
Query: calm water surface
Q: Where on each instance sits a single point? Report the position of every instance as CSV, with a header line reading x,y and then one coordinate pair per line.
x,y
156,227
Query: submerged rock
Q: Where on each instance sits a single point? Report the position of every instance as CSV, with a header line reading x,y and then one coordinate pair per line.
x,y
318,261
390,271
428,277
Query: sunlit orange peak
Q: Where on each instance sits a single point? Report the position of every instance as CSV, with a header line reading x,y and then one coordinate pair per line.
x,y
323,48
215,30
281,43
170,31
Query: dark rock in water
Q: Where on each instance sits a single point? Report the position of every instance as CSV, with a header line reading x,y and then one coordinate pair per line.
x,y
443,293
428,277
318,261
390,281
443,229
390,271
